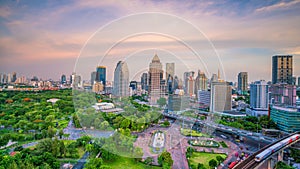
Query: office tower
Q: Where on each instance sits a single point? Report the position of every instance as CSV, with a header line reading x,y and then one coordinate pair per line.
x,y
259,95
283,94
71,79
243,82
9,78
155,78
200,82
178,102
170,70
214,78
14,77
76,80
294,79
144,81
282,69
186,77
63,79
101,74
299,81
220,97
133,85
93,77
121,79
170,84
204,97
190,86
176,83
98,87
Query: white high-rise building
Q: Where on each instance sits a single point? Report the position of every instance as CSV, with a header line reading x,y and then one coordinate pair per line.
x,y
220,96
121,79
259,95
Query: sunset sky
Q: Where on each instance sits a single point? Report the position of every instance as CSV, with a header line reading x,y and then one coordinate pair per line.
x,y
44,38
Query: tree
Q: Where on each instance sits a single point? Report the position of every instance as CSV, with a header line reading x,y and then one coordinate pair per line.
x,y
161,101
61,133
89,148
62,149
94,163
220,159
148,160
213,163
200,166
165,158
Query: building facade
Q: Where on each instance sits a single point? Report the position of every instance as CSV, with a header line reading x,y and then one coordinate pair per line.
x,y
220,97
200,82
259,95
287,119
243,82
121,79
155,77
282,69
101,74
283,94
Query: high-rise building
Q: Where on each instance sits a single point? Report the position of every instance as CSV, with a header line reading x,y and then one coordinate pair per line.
x,y
144,81
204,97
191,86
98,87
63,79
178,102
299,81
121,79
200,82
294,80
133,85
176,83
282,69
188,76
220,96
243,82
14,77
93,77
170,70
259,95
9,78
155,78
214,78
283,94
101,75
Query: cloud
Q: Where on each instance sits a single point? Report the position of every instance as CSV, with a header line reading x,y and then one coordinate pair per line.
x,y
5,11
277,6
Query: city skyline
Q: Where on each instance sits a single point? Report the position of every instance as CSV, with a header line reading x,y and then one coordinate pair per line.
x,y
47,48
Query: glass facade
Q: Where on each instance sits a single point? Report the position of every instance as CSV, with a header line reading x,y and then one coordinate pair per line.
x,y
287,119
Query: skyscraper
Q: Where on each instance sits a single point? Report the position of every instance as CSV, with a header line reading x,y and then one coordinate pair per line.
x,y
121,79
155,78
14,77
283,94
63,79
144,81
170,70
299,81
282,69
242,82
259,95
93,77
101,74
220,99
200,82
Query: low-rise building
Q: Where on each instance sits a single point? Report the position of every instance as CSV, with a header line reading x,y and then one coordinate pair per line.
x,y
287,118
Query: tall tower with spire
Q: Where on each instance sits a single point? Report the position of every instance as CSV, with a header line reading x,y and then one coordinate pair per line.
x,y
155,78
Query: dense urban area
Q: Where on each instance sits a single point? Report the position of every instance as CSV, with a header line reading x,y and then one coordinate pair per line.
x,y
194,122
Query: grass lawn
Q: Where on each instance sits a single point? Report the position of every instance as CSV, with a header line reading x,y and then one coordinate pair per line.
x,y
128,163
204,158
223,144
189,132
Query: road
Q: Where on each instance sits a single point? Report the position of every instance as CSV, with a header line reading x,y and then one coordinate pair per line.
x,y
81,162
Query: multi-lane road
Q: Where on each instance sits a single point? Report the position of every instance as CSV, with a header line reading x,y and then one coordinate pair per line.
x,y
234,131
